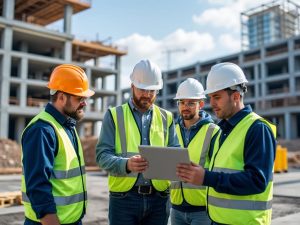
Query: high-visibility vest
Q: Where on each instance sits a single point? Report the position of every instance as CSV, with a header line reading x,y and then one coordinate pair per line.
x,y
68,178
198,152
238,209
128,138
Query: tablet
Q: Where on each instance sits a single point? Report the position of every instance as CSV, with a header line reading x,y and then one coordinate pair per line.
x,y
162,161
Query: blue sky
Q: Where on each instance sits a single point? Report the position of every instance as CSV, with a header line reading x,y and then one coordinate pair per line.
x,y
204,28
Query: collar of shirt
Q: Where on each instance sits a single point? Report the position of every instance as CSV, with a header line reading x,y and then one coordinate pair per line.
x,y
133,107
68,122
235,119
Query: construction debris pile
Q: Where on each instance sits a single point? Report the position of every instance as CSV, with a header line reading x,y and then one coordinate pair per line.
x,y
10,152
89,145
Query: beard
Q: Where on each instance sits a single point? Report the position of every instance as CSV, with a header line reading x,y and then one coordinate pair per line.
x,y
187,115
76,114
143,103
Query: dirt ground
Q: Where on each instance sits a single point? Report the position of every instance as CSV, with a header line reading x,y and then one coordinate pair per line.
x,y
282,206
98,194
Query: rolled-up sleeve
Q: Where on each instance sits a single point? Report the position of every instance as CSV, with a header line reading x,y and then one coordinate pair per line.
x,y
105,148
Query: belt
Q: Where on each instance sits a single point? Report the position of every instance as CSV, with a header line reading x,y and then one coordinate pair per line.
x,y
144,190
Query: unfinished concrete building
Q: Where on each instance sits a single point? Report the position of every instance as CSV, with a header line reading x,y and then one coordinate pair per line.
x,y
29,51
271,63
274,21
273,72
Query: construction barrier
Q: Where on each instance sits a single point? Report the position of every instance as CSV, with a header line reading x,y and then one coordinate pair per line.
x,y
281,160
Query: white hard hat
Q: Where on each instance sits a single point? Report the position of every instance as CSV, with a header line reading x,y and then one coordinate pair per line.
x,y
224,75
146,75
190,89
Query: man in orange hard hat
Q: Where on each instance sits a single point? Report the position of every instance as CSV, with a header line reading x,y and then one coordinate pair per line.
x,y
53,179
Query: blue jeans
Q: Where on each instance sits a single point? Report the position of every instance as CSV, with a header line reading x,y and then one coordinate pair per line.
x,y
189,218
131,208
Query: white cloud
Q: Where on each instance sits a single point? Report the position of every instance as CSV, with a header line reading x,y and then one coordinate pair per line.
x,y
226,14
229,42
224,17
140,47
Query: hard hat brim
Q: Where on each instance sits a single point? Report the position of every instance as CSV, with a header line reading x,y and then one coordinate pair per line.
x,y
147,87
188,97
88,93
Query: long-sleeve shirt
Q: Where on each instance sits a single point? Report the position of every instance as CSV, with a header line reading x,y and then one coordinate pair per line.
x,y
259,155
40,146
105,149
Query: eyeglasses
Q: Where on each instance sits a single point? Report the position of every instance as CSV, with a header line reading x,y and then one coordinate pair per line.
x,y
144,91
78,98
188,104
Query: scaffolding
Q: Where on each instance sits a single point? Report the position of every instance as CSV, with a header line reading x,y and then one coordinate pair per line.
x,y
267,23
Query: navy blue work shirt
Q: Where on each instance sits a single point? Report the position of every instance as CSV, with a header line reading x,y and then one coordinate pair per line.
x,y
40,146
259,155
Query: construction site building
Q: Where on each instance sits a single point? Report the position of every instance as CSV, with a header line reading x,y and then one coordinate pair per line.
x,y
273,72
29,51
267,23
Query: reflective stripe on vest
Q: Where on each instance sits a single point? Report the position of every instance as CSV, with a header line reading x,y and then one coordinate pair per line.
x,y
192,194
62,200
67,179
240,204
60,174
128,138
229,158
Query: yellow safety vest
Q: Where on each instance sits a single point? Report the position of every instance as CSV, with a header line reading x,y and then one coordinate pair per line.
x,y
238,209
128,138
198,152
68,179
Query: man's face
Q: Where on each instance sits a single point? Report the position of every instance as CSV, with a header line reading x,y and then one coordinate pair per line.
x,y
74,106
143,99
188,108
222,104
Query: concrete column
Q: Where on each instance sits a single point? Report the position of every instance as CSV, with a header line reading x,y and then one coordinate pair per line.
x,y
118,80
80,129
291,64
287,125
23,89
8,9
256,86
263,77
88,74
97,128
68,30
97,62
104,99
4,123
294,127
5,84
20,126
68,19
68,51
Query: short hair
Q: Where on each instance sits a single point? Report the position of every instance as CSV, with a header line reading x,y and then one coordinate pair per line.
x,y
241,88
53,97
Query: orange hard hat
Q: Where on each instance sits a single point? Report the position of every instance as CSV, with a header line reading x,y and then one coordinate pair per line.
x,y
70,79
